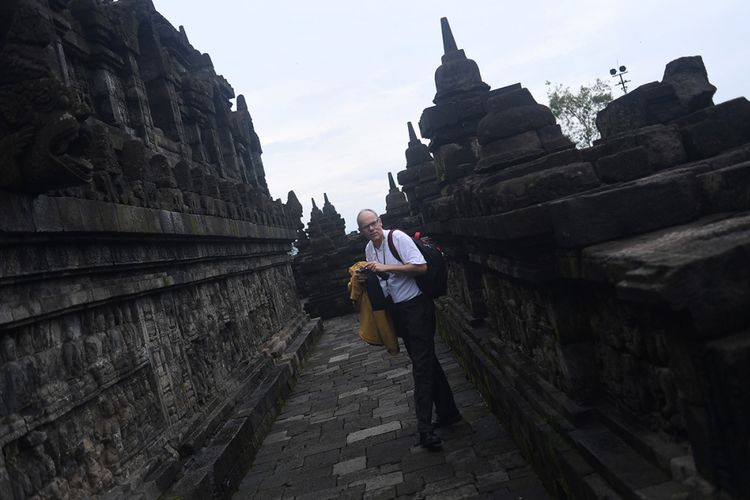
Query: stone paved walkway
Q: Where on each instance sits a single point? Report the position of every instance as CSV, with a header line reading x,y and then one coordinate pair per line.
x,y
348,430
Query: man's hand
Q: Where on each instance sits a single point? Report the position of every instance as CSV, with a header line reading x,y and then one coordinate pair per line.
x,y
376,267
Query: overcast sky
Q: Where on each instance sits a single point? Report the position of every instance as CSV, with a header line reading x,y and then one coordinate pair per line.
x,y
331,84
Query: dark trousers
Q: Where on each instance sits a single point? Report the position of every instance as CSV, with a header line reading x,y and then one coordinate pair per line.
x,y
414,321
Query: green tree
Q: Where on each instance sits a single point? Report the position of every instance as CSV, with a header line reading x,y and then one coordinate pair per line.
x,y
576,111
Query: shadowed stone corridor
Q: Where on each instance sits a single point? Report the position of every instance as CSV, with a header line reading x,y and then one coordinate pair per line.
x,y
151,297
348,431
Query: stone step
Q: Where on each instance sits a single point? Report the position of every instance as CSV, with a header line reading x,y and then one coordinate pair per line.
x,y
216,460
624,468
209,424
648,444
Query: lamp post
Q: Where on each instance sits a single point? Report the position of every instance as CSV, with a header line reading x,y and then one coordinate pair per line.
x,y
622,71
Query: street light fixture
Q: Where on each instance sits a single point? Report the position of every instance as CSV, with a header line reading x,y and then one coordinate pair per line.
x,y
622,83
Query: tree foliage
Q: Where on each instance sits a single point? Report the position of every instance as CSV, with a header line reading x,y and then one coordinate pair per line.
x,y
576,111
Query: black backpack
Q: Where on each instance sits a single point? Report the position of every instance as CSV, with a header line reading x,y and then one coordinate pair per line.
x,y
434,282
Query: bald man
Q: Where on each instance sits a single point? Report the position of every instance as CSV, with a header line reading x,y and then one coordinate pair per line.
x,y
413,315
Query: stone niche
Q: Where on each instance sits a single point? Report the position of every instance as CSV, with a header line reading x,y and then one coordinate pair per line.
x,y
145,275
598,297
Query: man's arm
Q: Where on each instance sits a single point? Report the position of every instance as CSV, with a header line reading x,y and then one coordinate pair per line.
x,y
407,269
413,264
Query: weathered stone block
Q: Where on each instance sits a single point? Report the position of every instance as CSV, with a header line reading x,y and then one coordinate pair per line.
x,y
647,105
426,190
449,114
727,189
455,160
427,172
553,139
17,212
170,199
515,149
465,131
624,166
543,163
635,208
663,145
729,158
689,78
166,221
697,268
512,96
716,129
136,220
513,121
46,214
70,214
107,215
440,209
408,177
538,187
6,316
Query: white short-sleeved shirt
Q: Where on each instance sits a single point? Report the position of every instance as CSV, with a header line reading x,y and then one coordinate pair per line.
x,y
399,286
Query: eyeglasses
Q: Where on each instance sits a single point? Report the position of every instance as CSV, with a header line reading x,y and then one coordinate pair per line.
x,y
371,225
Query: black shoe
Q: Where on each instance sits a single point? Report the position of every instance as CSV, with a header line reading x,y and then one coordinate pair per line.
x,y
430,440
447,421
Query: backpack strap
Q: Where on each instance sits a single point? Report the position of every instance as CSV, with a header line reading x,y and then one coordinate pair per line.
x,y
392,246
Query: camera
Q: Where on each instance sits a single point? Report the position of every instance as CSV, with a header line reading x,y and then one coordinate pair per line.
x,y
364,270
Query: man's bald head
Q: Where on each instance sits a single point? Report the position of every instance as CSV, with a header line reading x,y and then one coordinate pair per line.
x,y
364,211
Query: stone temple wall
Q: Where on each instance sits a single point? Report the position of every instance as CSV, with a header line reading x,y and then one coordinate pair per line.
x,y
145,273
599,297
321,268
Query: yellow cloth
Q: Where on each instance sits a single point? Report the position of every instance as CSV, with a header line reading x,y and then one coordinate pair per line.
x,y
375,327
